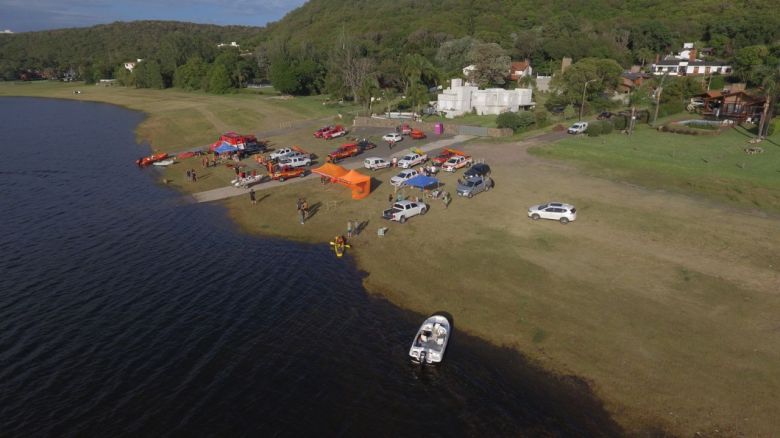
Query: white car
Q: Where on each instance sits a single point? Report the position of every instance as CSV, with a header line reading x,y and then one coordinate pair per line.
x,y
578,128
374,163
295,161
403,177
557,211
281,153
411,160
393,136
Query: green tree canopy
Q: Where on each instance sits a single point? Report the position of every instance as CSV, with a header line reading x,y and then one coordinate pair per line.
x,y
491,64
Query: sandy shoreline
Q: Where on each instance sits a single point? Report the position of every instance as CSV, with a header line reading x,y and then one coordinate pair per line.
x,y
647,296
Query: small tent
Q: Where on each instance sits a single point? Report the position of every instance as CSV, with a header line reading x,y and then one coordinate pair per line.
x,y
422,182
359,183
330,170
225,148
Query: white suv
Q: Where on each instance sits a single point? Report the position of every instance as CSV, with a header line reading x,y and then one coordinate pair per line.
x,y
556,211
578,128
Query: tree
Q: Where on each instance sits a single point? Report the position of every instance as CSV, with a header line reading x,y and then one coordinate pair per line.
x,y
417,69
192,75
147,75
283,76
218,79
770,87
748,59
368,89
348,65
451,55
491,64
589,76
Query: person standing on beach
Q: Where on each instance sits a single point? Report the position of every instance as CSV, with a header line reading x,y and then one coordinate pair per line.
x,y
252,196
305,208
194,176
189,174
349,229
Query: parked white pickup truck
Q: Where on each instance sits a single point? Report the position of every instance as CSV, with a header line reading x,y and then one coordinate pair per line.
x,y
411,160
456,162
403,210
281,153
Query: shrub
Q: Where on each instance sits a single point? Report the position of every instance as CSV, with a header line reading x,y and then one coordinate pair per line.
x,y
594,129
669,108
769,132
525,119
515,121
507,120
606,127
620,122
540,117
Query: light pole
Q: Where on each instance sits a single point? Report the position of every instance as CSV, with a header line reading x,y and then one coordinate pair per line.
x,y
582,104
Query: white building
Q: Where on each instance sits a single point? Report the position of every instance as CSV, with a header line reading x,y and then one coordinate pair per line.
x,y
687,63
232,44
461,99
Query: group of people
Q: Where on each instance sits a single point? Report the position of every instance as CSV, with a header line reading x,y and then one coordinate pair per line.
x,y
191,175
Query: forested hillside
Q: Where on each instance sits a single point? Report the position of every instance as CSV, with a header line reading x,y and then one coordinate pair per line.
x,y
540,30
355,49
98,50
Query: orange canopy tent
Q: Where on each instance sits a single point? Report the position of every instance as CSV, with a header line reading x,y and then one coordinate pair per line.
x,y
359,183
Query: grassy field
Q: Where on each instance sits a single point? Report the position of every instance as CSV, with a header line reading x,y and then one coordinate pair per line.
x,y
179,120
714,166
665,303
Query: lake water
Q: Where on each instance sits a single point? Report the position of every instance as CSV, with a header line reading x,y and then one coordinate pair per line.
x,y
125,310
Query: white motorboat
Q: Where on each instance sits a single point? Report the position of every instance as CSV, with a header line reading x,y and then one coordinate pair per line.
x,y
431,340
247,181
167,162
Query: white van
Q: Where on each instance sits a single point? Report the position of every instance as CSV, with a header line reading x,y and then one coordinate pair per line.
x,y
374,163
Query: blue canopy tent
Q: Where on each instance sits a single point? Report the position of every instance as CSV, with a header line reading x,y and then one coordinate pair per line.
x,y
422,182
225,148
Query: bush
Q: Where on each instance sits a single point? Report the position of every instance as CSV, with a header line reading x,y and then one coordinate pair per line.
x,y
669,108
620,122
606,127
507,120
594,129
515,121
540,117
769,132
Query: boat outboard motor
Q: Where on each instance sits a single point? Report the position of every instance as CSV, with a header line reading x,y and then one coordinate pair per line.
x,y
422,357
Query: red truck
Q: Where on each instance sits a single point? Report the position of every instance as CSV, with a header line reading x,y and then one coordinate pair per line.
x,y
337,131
445,155
344,151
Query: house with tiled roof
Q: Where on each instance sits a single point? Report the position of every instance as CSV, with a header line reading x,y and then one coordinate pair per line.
x,y
519,69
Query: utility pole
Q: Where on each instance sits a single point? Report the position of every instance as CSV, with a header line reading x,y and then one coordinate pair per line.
x,y
658,98
582,104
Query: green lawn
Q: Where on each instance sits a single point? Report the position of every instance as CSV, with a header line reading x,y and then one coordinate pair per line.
x,y
713,166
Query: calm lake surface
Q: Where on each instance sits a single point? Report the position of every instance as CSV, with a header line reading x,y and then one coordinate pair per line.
x,y
125,310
